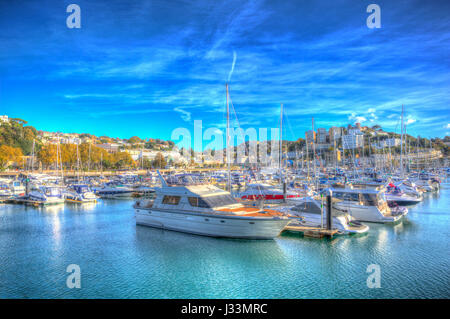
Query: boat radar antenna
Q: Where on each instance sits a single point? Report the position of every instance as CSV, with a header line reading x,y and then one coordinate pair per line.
x,y
163,181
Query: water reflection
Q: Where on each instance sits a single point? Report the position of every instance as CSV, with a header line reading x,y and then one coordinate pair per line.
x,y
125,260
172,243
54,214
83,207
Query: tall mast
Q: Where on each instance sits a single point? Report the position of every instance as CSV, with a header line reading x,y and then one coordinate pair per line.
x,y
406,150
32,156
335,152
228,142
314,153
417,152
60,162
307,154
89,161
57,159
78,165
281,140
401,146
282,178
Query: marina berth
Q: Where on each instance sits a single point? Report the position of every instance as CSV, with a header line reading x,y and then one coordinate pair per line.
x,y
312,213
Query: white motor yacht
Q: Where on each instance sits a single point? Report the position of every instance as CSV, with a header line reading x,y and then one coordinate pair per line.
x,y
112,190
46,195
17,188
368,205
207,210
5,191
80,193
395,196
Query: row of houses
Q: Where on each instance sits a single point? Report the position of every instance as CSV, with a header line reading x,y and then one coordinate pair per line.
x,y
351,139
324,139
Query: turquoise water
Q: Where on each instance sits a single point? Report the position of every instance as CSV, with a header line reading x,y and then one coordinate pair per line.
x,y
121,260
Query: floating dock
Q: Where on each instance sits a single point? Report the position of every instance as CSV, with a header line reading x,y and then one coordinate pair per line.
x,y
28,202
315,232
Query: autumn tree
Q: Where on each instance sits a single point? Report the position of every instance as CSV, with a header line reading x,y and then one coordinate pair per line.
x,y
9,154
47,154
122,160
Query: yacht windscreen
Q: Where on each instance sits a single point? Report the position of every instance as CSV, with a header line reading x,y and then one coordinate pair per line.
x,y
219,200
52,192
82,189
307,207
369,199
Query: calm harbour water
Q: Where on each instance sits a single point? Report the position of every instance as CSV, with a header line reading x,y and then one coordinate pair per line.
x,y
121,260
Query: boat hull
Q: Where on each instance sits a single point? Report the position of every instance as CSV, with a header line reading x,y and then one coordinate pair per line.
x,y
369,213
212,225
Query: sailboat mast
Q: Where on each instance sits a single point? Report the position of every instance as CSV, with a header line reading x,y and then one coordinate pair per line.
x,y
281,140
401,146
32,156
335,152
307,154
78,165
89,161
60,162
228,142
314,153
283,181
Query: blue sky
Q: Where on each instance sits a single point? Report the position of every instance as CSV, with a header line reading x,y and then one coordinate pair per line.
x,y
147,67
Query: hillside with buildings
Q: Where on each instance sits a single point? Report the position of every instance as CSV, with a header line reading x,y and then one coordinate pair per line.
x,y
19,142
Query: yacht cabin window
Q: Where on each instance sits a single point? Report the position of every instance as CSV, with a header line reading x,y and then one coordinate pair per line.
x,y
212,201
220,200
354,197
171,200
198,202
369,199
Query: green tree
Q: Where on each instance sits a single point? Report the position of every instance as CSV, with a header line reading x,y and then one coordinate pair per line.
x,y
159,161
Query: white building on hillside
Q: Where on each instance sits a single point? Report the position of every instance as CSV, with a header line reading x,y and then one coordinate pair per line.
x,y
4,119
352,141
355,131
390,142
322,135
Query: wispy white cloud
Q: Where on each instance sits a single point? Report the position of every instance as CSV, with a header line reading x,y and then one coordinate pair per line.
x,y
179,65
232,67
185,115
